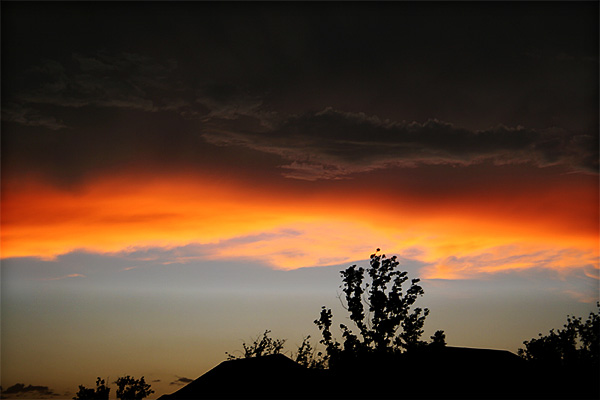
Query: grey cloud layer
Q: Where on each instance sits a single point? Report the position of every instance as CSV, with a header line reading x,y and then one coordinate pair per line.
x,y
128,81
329,144
333,144
125,81
30,117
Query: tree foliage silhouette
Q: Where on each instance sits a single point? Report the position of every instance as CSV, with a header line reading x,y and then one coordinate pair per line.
x,y
260,346
380,309
307,356
438,339
129,388
578,343
100,393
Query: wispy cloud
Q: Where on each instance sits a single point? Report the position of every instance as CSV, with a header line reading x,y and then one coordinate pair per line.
x,y
180,381
126,80
444,255
65,277
230,102
510,258
21,114
182,222
333,144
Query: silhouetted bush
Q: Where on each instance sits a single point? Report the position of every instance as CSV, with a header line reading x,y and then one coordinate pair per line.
x,y
261,346
578,343
129,388
100,393
307,356
438,339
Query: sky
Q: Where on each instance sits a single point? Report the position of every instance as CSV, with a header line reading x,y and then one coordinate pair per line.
x,y
178,178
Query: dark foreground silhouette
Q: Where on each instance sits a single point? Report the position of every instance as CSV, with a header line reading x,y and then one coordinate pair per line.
x,y
385,357
428,373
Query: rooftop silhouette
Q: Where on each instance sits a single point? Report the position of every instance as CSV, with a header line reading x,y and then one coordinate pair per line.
x,y
428,373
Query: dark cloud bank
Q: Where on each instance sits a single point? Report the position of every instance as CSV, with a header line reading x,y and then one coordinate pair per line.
x,y
332,144
324,94
29,391
326,144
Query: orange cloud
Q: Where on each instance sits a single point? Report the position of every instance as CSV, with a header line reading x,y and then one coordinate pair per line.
x,y
460,236
65,277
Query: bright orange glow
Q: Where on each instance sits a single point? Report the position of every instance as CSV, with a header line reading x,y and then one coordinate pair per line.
x,y
464,237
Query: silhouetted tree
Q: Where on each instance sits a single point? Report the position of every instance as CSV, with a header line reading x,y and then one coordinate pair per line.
x,y
380,309
100,393
309,357
438,339
261,346
578,343
129,388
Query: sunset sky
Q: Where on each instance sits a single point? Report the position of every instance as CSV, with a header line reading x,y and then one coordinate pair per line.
x,y
179,177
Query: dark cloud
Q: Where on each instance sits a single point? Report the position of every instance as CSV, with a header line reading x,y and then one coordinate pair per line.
x,y
29,391
229,102
126,80
333,144
252,81
180,381
29,117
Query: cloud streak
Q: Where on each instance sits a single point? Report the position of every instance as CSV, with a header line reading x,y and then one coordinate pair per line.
x,y
333,144
512,258
65,277
180,381
29,117
128,81
19,390
167,222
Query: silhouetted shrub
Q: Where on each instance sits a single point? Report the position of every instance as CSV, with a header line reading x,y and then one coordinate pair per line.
x,y
438,339
129,388
261,346
100,393
578,343
307,356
